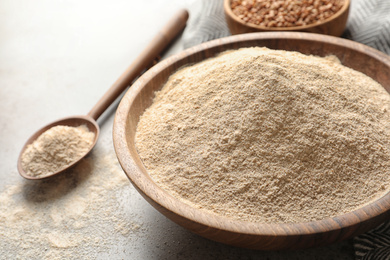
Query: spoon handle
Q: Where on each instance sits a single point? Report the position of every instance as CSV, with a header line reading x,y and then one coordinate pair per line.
x,y
145,59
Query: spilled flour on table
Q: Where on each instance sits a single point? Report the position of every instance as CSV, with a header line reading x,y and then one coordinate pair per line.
x,y
76,215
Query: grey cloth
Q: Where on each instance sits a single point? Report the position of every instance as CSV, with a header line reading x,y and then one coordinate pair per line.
x,y
206,22
368,23
373,245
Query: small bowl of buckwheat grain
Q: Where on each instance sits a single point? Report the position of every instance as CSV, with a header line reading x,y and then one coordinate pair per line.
x,y
317,16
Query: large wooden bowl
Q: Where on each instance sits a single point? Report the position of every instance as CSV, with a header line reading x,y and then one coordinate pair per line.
x,y
334,25
238,233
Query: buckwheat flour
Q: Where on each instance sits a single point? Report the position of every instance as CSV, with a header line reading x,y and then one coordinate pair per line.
x,y
269,136
77,215
55,149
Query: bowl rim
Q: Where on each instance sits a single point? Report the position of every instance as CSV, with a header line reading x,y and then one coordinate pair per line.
x,y
139,177
229,12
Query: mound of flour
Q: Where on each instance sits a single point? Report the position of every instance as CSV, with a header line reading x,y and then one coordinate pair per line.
x,y
269,136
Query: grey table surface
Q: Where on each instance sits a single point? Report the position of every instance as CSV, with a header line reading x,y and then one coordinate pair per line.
x,y
57,58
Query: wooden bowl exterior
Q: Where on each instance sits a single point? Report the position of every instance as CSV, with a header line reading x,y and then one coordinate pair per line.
x,y
334,25
238,233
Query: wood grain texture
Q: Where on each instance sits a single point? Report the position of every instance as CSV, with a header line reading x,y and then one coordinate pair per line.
x,y
334,25
233,232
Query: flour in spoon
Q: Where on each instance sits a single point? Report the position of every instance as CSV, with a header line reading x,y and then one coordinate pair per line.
x,y
56,149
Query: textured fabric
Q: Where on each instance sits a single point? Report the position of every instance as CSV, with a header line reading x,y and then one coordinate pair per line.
x,y
374,244
368,23
207,22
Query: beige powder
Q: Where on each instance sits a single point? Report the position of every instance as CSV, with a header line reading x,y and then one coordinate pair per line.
x,y
55,149
269,136
77,215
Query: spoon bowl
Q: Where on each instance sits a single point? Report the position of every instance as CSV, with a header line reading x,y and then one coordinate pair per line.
x,y
144,61
73,121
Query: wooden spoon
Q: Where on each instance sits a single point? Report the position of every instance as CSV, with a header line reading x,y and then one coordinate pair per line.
x,y
142,62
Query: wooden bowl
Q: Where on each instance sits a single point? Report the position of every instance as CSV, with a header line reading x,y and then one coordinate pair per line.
x,y
334,25
233,232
